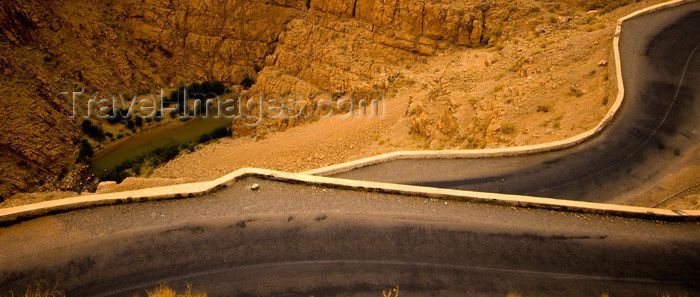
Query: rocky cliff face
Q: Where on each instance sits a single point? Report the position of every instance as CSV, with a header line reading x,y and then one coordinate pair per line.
x,y
124,45
36,138
320,42
131,45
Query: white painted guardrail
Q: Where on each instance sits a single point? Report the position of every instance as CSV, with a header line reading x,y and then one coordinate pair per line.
x,y
19,213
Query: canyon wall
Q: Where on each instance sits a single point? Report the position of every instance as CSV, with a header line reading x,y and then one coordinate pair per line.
x,y
132,45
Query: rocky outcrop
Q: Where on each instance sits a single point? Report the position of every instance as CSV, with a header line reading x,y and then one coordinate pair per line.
x,y
305,46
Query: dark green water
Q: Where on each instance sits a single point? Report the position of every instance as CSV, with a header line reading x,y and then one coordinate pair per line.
x,y
146,141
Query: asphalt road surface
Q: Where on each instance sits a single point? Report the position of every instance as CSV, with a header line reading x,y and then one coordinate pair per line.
x,y
654,133
294,240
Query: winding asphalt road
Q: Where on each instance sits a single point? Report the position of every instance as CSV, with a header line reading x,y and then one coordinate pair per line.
x,y
656,130
296,240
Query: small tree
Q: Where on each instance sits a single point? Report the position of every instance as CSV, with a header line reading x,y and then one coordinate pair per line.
x,y
85,151
93,131
247,82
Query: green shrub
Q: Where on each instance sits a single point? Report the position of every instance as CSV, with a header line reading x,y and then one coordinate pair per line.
x,y
93,131
190,146
62,173
158,156
507,128
544,108
206,89
247,82
204,138
164,154
136,169
576,92
85,151
220,132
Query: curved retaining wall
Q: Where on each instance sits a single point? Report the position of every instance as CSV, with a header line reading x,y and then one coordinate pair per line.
x,y
20,213
25,212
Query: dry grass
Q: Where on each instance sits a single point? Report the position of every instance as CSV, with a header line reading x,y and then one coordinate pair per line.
x,y
165,291
507,128
40,290
575,92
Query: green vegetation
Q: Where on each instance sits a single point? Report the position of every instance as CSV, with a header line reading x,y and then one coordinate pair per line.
x,y
247,82
115,117
393,77
85,151
158,156
474,143
207,89
93,131
544,108
576,92
507,128
557,122
591,28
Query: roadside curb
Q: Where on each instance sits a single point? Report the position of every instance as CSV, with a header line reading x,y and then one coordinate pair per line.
x,y
512,151
17,214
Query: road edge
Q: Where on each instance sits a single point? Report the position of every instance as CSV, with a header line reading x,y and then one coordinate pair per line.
x,y
17,214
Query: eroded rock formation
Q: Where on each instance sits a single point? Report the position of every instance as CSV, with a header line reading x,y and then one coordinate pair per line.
x,y
303,46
